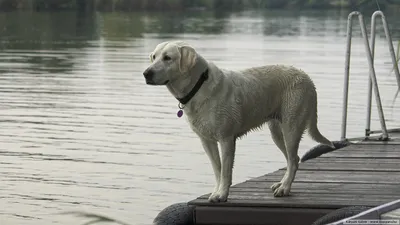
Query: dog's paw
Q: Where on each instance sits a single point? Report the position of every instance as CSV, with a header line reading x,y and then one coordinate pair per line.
x,y
218,197
275,186
282,190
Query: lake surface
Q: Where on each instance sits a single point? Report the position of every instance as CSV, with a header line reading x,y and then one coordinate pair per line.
x,y
81,131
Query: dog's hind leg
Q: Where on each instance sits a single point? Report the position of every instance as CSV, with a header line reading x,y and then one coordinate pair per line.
x,y
292,133
277,137
228,147
211,149
294,116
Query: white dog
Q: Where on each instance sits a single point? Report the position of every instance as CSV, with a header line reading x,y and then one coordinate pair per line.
x,y
223,105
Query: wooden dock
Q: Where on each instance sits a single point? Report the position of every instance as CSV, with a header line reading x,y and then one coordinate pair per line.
x,y
362,174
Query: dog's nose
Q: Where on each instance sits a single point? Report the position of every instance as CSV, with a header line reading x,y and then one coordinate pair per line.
x,y
148,74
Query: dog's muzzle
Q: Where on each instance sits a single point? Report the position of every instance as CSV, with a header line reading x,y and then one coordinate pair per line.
x,y
149,76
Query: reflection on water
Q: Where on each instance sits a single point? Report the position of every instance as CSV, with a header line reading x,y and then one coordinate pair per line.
x,y
80,130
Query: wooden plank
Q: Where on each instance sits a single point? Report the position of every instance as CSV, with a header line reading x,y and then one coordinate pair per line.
x,y
368,147
363,147
298,201
362,154
365,151
323,185
311,187
355,160
257,215
360,177
325,189
316,191
268,196
394,141
323,198
352,164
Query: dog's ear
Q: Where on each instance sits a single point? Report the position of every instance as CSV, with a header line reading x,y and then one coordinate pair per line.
x,y
188,58
151,57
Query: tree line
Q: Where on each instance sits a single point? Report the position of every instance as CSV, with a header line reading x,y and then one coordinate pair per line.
x,y
136,5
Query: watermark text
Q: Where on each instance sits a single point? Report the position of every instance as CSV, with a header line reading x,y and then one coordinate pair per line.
x,y
379,222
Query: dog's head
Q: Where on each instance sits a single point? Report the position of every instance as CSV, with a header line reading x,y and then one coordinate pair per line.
x,y
170,61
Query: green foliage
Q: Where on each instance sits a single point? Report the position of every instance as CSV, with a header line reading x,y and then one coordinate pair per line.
x,y
124,5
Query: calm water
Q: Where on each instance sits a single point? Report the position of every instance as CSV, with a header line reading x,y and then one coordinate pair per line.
x,y
80,130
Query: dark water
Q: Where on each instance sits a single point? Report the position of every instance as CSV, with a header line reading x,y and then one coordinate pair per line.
x,y
80,130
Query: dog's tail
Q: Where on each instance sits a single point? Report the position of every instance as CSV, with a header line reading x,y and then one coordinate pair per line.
x,y
314,132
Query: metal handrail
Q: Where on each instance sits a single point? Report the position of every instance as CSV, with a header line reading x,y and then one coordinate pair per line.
x,y
372,81
393,56
371,214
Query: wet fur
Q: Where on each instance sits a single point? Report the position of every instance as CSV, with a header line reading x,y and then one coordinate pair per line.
x,y
232,103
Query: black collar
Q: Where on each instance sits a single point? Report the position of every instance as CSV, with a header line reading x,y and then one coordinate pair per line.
x,y
186,99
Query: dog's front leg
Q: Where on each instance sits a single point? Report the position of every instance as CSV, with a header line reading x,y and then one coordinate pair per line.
x,y
228,147
211,149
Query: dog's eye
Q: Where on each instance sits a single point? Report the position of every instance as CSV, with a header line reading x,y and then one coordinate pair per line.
x,y
154,57
166,57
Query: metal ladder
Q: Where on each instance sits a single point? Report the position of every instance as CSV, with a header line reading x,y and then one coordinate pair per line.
x,y
372,82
